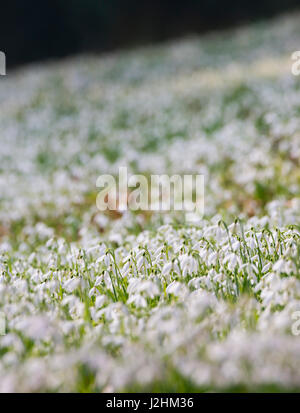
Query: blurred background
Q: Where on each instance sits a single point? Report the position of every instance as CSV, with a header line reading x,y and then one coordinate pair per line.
x,y
41,30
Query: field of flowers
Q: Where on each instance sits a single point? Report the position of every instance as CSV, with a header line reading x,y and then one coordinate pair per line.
x,y
140,301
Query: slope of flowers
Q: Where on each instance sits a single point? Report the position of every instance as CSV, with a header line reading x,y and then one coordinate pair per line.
x,y
139,301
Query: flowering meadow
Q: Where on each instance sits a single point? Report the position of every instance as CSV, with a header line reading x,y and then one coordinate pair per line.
x,y
144,301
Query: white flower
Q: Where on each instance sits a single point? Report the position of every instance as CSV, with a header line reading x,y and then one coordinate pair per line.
x,y
71,284
137,300
266,267
279,265
236,245
176,288
188,264
167,268
100,300
232,260
99,280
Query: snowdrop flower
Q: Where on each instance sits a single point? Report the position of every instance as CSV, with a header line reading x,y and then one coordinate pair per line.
x,y
167,268
99,280
137,300
141,261
106,259
236,246
148,288
120,293
232,260
266,267
212,258
188,265
279,265
35,327
252,243
100,301
176,288
72,284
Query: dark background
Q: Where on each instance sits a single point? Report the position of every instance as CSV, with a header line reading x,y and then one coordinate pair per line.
x,y
32,30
